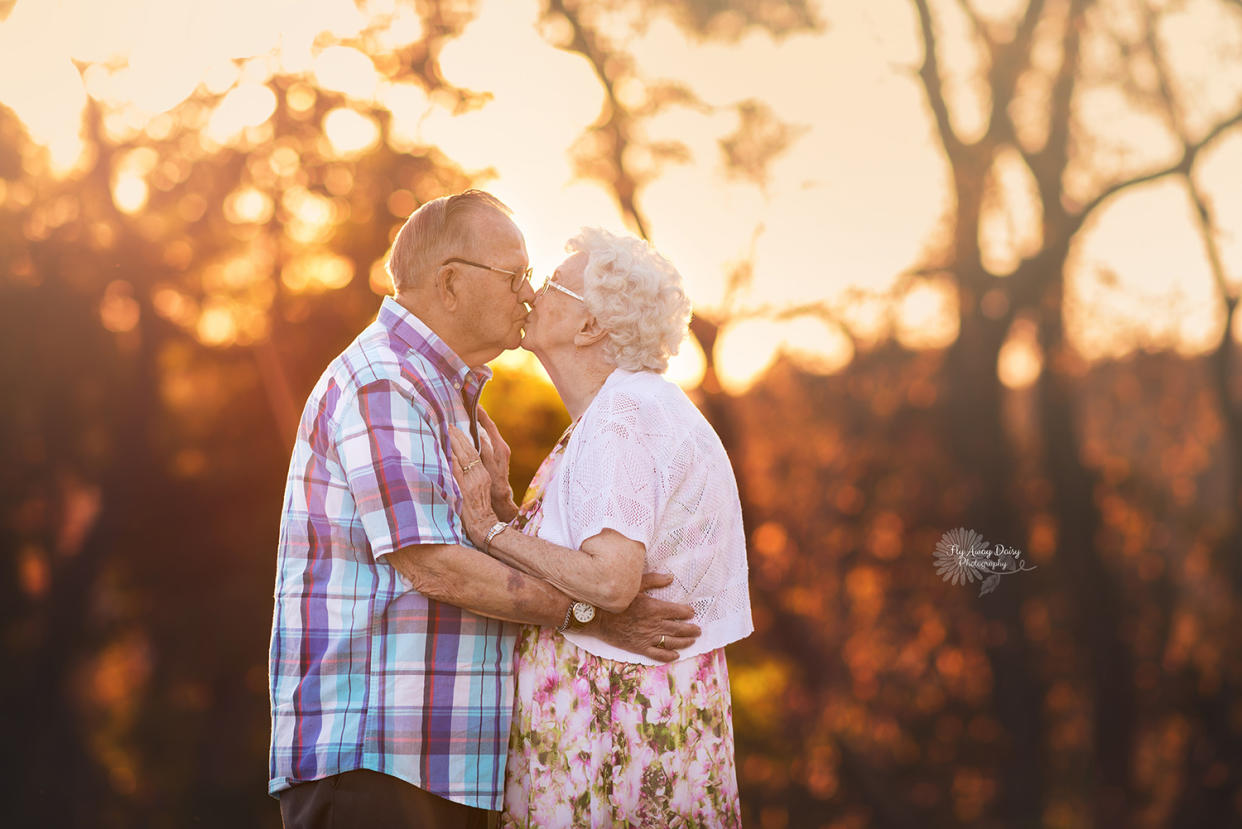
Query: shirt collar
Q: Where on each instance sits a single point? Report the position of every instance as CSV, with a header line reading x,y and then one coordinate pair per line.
x,y
414,332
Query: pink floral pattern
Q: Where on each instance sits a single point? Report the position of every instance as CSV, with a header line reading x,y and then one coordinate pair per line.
x,y
601,743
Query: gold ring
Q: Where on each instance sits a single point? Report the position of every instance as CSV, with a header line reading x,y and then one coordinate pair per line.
x,y
471,465
660,644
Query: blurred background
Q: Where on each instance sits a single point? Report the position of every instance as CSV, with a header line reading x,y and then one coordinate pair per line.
x,y
956,264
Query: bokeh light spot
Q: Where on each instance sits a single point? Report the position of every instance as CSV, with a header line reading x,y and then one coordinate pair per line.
x,y
248,105
316,273
349,132
1020,360
118,310
927,316
129,192
248,205
216,325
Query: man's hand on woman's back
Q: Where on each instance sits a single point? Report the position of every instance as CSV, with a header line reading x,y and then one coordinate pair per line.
x,y
649,627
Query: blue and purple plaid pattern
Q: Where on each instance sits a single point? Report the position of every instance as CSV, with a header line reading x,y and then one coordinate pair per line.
x,y
365,672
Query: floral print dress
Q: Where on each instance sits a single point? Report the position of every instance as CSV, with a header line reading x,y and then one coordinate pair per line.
x,y
601,743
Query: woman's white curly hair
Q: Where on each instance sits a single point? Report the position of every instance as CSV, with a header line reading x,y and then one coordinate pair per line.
x,y
637,296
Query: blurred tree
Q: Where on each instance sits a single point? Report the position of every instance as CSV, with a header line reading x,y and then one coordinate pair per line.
x,y
166,305
1024,109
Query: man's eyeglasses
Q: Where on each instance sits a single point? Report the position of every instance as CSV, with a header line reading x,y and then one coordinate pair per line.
x,y
516,278
558,286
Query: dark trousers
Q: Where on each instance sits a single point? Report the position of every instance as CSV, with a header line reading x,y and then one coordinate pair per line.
x,y
370,799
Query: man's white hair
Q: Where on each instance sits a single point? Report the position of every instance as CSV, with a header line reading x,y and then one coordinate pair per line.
x,y
439,228
637,296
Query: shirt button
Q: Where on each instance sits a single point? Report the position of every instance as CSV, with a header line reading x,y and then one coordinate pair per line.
x,y
457,385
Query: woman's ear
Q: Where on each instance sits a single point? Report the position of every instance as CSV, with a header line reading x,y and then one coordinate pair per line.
x,y
589,333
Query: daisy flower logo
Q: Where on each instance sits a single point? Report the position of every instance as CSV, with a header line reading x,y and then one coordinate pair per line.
x,y
957,556
963,557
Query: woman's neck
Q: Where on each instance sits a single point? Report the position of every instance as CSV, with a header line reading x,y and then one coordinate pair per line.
x,y
577,379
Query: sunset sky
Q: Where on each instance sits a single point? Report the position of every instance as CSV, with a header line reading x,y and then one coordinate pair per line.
x,y
858,199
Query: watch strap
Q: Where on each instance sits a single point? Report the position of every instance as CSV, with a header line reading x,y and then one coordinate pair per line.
x,y
569,615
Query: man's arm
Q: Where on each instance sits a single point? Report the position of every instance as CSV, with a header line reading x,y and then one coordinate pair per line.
x,y
649,627
470,579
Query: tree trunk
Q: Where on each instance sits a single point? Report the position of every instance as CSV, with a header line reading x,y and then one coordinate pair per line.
x,y
974,425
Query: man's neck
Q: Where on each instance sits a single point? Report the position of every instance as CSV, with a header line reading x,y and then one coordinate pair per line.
x,y
443,328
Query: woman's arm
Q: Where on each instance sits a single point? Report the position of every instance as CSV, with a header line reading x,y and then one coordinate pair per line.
x,y
606,572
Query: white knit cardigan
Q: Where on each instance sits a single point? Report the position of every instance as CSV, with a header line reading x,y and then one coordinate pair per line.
x,y
645,462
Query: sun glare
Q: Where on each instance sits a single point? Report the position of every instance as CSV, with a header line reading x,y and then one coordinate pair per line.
x,y
247,105
851,203
343,69
688,365
744,351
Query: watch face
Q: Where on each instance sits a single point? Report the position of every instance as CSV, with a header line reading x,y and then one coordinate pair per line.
x,y
584,612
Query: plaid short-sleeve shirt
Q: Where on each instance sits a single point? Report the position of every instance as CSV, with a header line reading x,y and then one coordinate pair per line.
x,y
365,672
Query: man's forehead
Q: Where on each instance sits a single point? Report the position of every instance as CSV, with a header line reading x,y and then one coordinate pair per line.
x,y
496,231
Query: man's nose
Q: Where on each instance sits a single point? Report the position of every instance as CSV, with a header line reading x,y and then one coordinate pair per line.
x,y
526,294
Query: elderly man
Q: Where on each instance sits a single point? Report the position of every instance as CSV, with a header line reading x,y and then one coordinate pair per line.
x,y
392,639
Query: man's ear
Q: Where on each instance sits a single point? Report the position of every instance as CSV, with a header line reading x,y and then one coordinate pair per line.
x,y
447,289
589,333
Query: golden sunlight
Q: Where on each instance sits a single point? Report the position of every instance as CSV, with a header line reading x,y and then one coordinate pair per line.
x,y
854,201
688,366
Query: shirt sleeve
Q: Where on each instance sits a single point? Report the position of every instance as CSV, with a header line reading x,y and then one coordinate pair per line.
x,y
397,470
616,480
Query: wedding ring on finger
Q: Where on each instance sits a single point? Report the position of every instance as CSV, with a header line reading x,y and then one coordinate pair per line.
x,y
471,465
660,644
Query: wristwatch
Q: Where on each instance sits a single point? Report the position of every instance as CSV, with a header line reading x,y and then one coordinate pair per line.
x,y
497,529
583,612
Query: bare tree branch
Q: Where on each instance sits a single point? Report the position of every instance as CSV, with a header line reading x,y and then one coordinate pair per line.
x,y
977,23
1183,165
1173,116
1222,358
614,121
1010,61
929,73
1048,163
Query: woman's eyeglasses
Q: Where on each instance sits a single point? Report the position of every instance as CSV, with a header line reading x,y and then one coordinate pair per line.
x,y
558,286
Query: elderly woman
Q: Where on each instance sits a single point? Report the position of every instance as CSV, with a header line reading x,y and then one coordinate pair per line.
x,y
638,483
